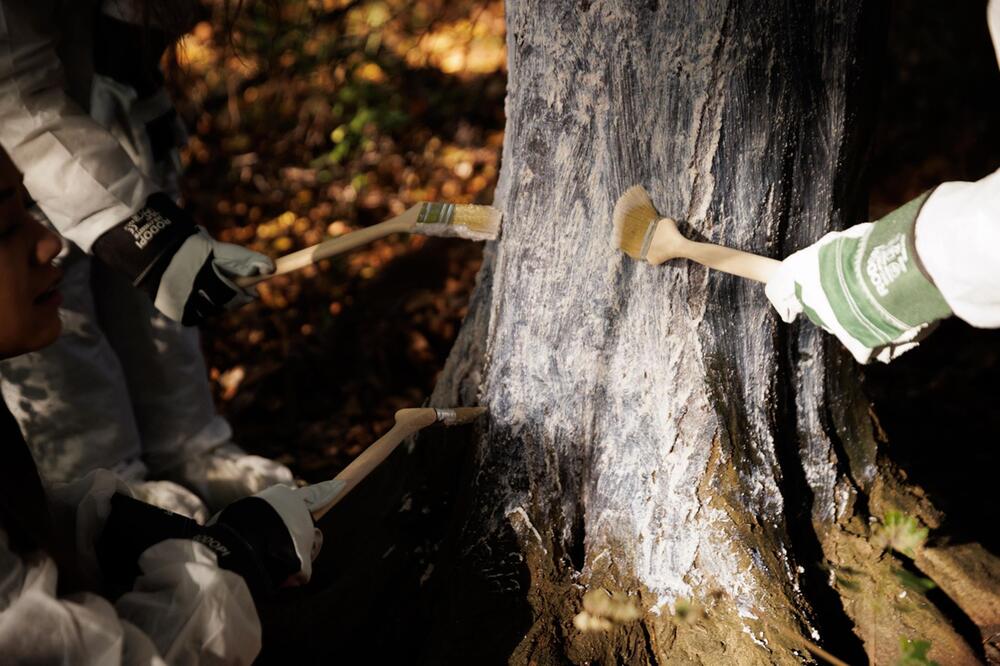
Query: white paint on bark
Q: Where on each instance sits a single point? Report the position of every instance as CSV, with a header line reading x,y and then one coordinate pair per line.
x,y
633,408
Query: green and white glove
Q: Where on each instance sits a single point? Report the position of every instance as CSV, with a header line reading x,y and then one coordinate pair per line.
x,y
865,285
184,270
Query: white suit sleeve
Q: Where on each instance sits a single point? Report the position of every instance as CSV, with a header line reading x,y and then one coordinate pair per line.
x,y
36,626
183,609
194,612
76,171
958,241
958,235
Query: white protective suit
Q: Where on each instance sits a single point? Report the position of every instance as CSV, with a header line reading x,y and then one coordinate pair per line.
x,y
124,387
183,609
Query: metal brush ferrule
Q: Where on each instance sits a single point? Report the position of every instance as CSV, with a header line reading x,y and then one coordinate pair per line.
x,y
436,213
647,240
446,416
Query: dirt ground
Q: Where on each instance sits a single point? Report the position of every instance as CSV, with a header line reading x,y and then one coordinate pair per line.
x,y
313,373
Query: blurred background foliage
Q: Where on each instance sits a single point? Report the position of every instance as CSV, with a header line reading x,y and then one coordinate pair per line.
x,y
310,119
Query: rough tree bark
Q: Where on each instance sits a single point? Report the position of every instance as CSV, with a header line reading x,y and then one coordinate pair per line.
x,y
657,431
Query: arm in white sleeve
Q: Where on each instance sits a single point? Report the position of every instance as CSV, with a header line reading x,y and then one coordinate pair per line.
x,y
92,191
957,235
73,167
881,286
182,609
37,626
957,238
194,611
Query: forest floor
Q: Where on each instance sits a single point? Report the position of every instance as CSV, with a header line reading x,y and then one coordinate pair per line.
x,y
329,121
323,121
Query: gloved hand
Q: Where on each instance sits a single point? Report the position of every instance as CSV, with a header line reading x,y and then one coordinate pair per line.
x,y
268,539
865,285
269,536
318,495
183,269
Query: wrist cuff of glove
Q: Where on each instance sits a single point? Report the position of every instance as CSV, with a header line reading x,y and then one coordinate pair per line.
x,y
142,246
131,528
250,538
875,284
235,553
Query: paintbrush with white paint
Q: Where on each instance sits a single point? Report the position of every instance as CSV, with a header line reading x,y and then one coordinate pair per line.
x,y
643,234
322,497
468,221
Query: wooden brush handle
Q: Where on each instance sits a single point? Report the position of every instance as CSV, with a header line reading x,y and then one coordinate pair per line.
x,y
310,255
729,260
408,421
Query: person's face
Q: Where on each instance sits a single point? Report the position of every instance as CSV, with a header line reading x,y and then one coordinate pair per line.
x,y
29,294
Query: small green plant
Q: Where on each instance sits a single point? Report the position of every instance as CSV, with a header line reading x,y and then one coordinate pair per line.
x,y
914,653
902,533
913,581
688,611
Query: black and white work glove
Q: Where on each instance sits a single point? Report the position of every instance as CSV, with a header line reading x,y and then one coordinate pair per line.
x,y
185,271
269,539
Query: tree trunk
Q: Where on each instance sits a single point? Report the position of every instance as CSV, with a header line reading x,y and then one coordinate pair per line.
x,y
656,431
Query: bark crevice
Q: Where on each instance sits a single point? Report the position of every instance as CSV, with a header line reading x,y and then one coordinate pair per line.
x,y
834,627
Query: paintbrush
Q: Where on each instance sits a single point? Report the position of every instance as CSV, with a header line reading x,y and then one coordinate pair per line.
x,y
469,221
322,497
643,234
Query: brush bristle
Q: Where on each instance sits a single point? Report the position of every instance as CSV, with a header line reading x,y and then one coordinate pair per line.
x,y
634,213
462,220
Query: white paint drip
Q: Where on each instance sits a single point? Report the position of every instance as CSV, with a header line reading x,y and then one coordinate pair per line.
x,y
518,518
